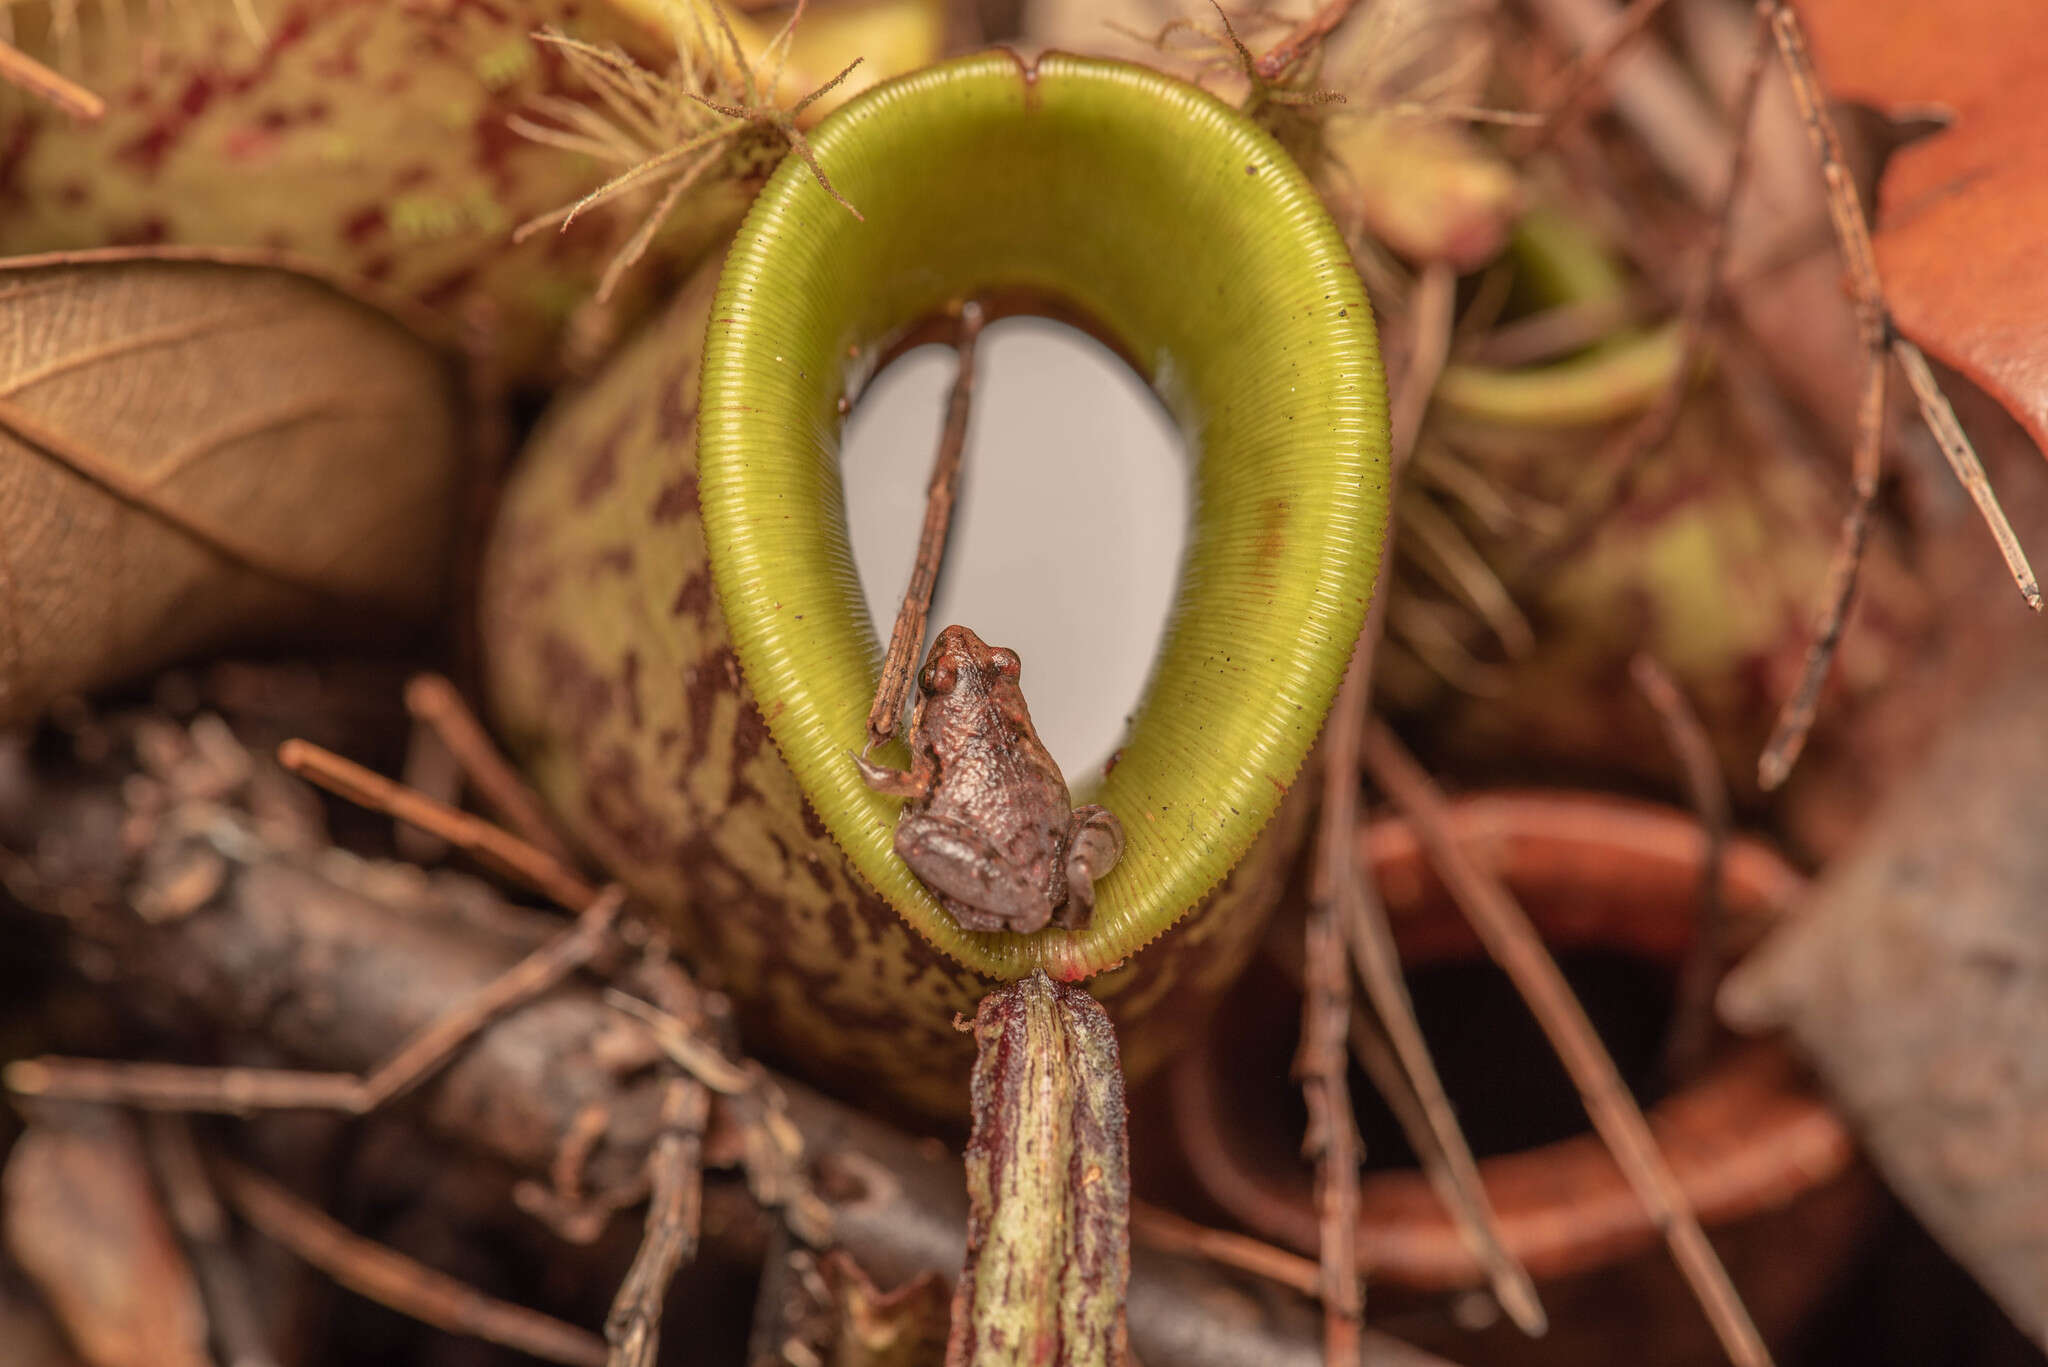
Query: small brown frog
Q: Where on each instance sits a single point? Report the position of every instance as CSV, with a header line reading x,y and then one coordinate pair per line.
x,y
989,825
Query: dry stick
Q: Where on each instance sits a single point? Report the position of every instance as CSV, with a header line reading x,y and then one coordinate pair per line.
x,y
1302,39
397,1282
180,1087
19,69
1375,1054
1340,880
431,699
1962,459
1332,1139
676,1172
1692,1024
481,840
1170,1233
1504,928
1795,720
1586,71
1874,326
203,1226
908,634
239,1091
1446,1157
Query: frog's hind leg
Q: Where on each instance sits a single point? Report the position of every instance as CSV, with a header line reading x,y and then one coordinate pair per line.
x,y
1095,841
978,882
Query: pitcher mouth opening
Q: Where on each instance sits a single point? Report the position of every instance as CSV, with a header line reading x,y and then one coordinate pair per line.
x,y
1187,239
1069,520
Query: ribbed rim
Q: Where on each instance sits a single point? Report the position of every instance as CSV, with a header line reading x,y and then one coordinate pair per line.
x,y
1199,246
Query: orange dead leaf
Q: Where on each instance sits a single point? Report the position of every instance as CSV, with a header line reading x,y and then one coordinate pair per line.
x,y
1959,239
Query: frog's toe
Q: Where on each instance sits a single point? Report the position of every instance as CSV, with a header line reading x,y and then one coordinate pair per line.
x,y
1095,842
1074,913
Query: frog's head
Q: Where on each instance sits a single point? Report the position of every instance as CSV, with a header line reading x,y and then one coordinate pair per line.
x,y
958,653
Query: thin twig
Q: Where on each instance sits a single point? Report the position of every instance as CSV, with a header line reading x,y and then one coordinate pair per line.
x,y
180,1087
1170,1233
686,1048
1431,1128
1586,71
1874,328
240,1091
907,637
1845,206
1432,310
1303,39
676,1172
1504,928
1332,1141
422,1055
1446,1157
1795,719
772,1150
203,1225
1692,1017
1962,459
432,699
397,1282
24,72
480,839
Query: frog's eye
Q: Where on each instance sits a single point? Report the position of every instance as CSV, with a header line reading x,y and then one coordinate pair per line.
x,y
1006,663
938,678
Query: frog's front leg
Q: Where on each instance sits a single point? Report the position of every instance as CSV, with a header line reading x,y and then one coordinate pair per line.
x,y
983,888
1095,841
914,783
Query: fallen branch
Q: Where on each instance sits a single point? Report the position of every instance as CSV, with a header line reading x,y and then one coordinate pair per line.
x,y
240,1091
328,935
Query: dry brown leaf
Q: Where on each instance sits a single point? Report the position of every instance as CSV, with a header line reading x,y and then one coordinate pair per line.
x,y
81,1216
1959,240
189,450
